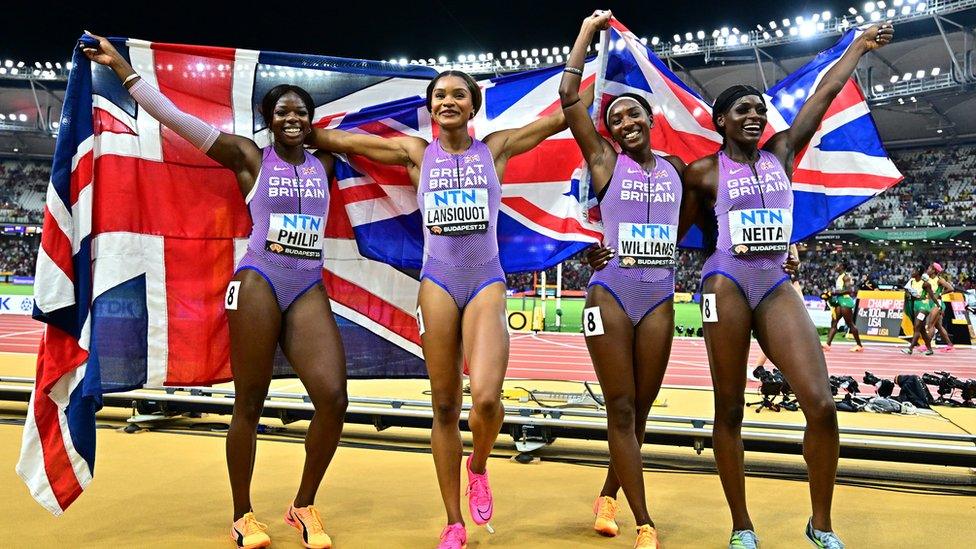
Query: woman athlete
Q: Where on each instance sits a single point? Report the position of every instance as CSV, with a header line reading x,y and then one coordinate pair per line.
x,y
632,298
462,290
276,293
842,299
745,198
926,288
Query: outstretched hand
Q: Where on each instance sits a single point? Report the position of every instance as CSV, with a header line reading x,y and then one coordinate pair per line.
x,y
104,53
877,36
600,20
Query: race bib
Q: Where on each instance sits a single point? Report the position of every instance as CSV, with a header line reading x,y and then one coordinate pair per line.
x,y
295,235
646,244
765,230
455,212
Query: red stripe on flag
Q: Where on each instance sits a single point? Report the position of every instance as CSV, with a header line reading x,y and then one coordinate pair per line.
x,y
197,273
57,245
565,225
381,173
370,305
167,199
844,180
104,122
81,176
58,355
337,223
197,86
552,160
686,146
216,52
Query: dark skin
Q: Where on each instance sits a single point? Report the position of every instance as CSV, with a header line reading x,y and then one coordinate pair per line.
x,y
925,327
478,334
920,331
306,331
780,323
629,360
846,313
935,317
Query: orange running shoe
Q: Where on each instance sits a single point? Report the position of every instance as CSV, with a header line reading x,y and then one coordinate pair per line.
x,y
248,533
605,509
308,521
825,347
857,349
646,538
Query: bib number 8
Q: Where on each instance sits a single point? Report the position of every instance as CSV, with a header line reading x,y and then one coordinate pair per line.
x,y
592,322
709,308
232,296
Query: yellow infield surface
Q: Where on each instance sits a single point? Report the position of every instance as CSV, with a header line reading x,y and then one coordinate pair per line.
x,y
168,488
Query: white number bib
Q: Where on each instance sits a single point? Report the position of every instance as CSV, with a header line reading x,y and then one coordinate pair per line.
x,y
646,244
295,235
760,230
454,212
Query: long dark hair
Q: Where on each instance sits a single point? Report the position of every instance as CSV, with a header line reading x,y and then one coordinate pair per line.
x,y
473,87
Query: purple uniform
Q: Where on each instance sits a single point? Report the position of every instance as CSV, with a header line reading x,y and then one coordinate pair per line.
x,y
459,196
640,218
288,206
754,213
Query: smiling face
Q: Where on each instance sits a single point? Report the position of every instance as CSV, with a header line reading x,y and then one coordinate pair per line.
x,y
629,125
745,120
290,120
451,102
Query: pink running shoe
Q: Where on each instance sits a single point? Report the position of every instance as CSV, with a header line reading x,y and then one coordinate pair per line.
x,y
453,536
946,349
480,502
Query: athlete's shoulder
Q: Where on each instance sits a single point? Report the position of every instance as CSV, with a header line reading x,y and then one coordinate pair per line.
x,y
678,163
700,169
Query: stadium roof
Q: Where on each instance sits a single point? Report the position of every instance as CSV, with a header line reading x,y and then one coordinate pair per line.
x,y
921,87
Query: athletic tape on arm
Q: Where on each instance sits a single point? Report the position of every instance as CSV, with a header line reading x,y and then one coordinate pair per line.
x,y
191,128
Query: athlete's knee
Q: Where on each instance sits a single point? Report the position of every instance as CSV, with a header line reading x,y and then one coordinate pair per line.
x,y
487,406
447,410
729,411
822,412
248,407
621,413
331,400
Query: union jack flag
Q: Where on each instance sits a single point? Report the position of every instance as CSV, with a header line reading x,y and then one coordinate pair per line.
x,y
844,165
142,231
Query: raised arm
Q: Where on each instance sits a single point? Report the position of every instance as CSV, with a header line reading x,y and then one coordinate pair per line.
x,y
395,151
599,155
234,152
786,143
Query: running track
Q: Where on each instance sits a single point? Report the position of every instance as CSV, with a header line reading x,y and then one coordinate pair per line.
x,y
564,357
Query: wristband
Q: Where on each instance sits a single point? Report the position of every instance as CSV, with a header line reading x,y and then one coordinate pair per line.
x,y
573,70
130,78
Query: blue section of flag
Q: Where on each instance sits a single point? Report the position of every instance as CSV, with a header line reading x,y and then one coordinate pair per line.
x,y
790,93
397,241
119,336
370,356
859,135
527,251
507,90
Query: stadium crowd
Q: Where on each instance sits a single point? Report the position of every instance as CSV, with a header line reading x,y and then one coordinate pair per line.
x,y
18,255
939,189
22,187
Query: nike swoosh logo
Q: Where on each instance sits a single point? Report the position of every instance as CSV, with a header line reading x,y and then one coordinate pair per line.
x,y
733,172
441,160
485,515
279,169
